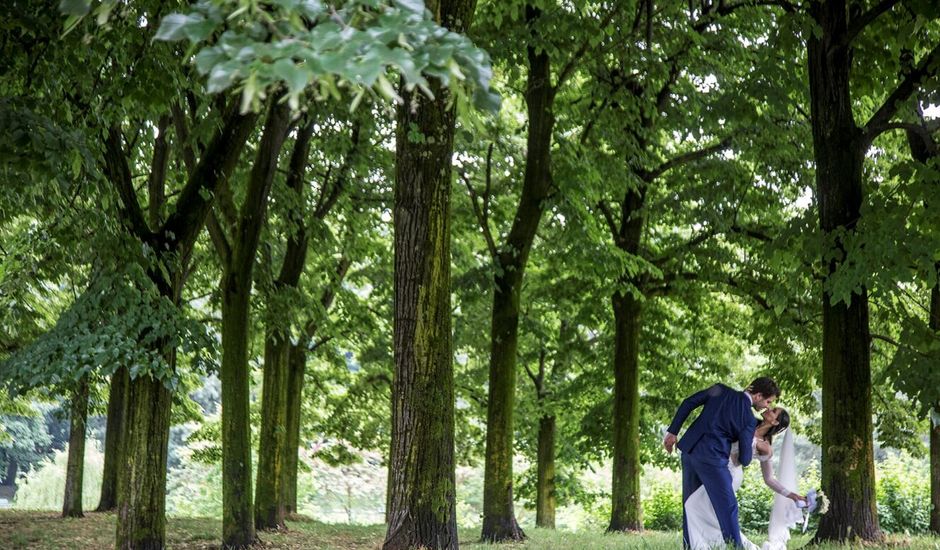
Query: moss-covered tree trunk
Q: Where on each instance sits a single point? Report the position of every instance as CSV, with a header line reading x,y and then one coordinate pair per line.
x,y
499,521
114,439
545,488
422,494
141,481
270,510
848,472
626,511
237,520
75,467
296,365
272,496
141,521
935,428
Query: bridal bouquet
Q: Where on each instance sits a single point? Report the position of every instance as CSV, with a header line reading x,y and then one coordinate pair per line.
x,y
816,502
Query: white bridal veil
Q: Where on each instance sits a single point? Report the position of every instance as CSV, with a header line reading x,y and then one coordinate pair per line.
x,y
784,513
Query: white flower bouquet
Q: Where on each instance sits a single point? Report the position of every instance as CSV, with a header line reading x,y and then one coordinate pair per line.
x,y
816,502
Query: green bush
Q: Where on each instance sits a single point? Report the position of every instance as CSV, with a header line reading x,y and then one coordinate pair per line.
x,y
662,510
755,500
903,490
43,487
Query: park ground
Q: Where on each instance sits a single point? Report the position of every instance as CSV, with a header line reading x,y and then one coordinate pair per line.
x,y
47,531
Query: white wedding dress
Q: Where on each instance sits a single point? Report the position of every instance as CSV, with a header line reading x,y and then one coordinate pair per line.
x,y
704,531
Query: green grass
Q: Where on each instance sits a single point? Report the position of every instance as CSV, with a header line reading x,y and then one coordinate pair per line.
x,y
47,531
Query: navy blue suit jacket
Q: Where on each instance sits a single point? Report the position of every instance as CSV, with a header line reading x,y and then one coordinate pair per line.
x,y
726,417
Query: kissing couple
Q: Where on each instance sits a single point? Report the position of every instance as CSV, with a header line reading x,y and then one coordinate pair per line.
x,y
724,439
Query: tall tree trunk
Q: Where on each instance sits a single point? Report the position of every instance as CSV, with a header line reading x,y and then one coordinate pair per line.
x,y
114,439
272,495
848,472
922,149
499,521
626,512
545,489
75,468
237,525
422,484
935,428
141,481
296,365
237,522
141,521
270,510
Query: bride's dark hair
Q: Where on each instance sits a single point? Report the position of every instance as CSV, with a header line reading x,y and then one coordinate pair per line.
x,y
783,422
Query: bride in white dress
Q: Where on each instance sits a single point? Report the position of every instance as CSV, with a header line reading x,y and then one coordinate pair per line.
x,y
704,531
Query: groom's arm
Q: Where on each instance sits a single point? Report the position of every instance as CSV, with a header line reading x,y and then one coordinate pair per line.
x,y
688,405
746,439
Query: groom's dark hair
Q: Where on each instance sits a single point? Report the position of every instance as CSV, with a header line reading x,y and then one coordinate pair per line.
x,y
765,386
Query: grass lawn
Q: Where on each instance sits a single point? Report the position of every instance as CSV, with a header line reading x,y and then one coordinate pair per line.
x,y
47,531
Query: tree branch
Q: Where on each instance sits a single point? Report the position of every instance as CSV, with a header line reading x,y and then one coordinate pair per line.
x,y
217,162
884,338
481,217
253,208
568,68
609,218
324,205
119,173
912,81
924,131
857,25
182,135
156,182
686,158
218,237
723,9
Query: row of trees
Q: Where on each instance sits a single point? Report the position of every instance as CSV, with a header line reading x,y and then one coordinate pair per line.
x,y
642,210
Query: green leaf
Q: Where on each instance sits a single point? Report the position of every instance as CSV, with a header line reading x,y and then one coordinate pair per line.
x,y
75,7
173,26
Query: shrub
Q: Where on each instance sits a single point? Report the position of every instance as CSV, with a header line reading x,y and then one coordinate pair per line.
x,y
903,490
662,510
43,487
755,500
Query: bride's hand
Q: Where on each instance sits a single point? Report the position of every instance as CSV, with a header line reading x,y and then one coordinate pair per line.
x,y
797,498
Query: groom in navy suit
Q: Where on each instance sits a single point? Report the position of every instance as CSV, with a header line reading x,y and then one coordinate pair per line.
x,y
706,446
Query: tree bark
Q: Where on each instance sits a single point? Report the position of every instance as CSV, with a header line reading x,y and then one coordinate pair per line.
x,y
75,467
237,521
626,512
935,428
848,473
935,476
114,440
141,482
272,496
296,365
141,521
422,499
545,491
499,521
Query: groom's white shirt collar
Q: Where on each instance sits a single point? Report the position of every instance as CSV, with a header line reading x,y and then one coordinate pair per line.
x,y
749,396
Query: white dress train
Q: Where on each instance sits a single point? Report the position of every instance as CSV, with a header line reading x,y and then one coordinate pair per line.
x,y
704,530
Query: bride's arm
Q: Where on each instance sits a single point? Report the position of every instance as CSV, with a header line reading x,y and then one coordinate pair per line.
x,y
766,468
